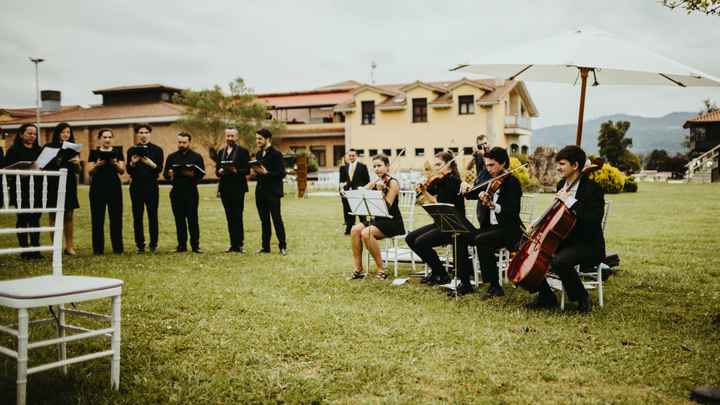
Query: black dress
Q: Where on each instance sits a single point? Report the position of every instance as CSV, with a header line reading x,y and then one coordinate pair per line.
x,y
106,194
71,197
391,226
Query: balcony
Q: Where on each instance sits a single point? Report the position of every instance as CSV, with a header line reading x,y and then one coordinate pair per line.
x,y
330,129
518,121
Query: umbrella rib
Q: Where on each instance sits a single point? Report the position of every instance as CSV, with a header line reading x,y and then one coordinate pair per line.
x,y
520,72
672,80
458,67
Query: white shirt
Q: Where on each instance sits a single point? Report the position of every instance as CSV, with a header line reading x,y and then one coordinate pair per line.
x,y
351,170
496,210
571,199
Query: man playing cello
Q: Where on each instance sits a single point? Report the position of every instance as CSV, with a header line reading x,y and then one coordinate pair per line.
x,y
585,244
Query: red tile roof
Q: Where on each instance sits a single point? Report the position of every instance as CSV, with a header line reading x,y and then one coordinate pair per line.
x,y
713,116
108,112
122,89
30,111
305,99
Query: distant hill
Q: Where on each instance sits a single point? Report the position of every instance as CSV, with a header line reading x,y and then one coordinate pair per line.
x,y
647,133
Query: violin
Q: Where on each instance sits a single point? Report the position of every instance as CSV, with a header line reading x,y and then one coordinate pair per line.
x,y
384,180
421,187
493,187
495,179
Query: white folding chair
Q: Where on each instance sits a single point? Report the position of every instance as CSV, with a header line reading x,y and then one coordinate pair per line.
x,y
591,278
392,250
56,290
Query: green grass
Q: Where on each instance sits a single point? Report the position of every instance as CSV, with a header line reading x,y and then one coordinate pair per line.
x,y
221,328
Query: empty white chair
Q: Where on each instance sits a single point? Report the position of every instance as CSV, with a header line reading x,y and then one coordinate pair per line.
x,y
56,290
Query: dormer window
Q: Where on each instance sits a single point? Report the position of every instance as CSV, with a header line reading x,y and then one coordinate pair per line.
x,y
466,105
368,112
419,110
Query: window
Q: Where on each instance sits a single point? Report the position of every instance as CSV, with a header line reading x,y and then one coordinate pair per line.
x,y
319,152
338,153
514,148
297,149
419,151
468,150
524,150
387,152
419,110
400,152
466,105
372,152
360,152
368,112
437,150
454,150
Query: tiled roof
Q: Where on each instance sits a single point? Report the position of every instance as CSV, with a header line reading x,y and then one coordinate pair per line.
x,y
713,116
393,103
305,99
121,89
109,112
30,111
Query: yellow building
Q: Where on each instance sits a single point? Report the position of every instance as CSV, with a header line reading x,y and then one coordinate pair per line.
x,y
425,118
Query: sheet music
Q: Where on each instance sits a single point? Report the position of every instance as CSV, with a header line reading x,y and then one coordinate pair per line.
x,y
367,202
72,146
47,155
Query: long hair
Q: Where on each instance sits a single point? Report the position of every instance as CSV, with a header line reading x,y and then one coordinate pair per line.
x,y
448,157
17,142
58,130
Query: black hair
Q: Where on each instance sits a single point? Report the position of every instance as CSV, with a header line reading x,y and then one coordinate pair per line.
x,y
58,130
573,154
264,132
21,131
101,131
446,156
499,155
352,150
382,158
185,135
138,127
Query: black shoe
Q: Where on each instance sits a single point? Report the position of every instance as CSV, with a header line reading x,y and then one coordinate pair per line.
x,y
461,289
232,249
585,305
31,255
427,279
283,252
262,251
140,250
181,249
548,302
153,249
492,292
197,250
440,279
347,231
706,395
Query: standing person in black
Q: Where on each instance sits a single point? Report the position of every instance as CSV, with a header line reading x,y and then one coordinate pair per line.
x,y
71,162
145,163
25,148
232,168
106,165
585,245
478,159
500,225
444,190
269,171
353,175
185,168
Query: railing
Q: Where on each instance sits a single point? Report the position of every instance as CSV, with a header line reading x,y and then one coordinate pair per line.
x,y
703,163
518,121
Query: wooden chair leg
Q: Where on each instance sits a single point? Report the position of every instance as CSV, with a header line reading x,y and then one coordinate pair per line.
x,y
22,355
62,347
115,367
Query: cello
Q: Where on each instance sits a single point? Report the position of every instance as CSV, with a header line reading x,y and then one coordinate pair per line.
x,y
531,263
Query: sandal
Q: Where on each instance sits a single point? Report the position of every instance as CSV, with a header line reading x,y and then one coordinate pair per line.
x,y
381,275
356,275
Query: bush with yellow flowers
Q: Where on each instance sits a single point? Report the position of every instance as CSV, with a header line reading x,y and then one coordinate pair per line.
x,y
521,174
609,178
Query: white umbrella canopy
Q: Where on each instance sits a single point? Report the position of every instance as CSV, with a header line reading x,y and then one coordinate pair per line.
x,y
567,57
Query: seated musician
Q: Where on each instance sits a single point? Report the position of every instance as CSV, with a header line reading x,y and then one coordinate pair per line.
x,y
444,188
378,228
585,244
500,224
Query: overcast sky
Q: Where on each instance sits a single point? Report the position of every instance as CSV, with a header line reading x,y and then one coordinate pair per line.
x,y
293,45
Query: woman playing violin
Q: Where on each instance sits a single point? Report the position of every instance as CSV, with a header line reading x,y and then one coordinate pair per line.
x,y
378,228
442,187
498,212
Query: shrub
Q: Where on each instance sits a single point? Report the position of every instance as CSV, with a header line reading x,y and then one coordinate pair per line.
x,y
521,174
610,179
631,185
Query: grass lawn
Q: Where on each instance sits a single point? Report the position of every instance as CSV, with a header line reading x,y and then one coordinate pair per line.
x,y
226,328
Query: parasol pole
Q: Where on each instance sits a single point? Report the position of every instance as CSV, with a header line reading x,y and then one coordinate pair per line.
x,y
581,112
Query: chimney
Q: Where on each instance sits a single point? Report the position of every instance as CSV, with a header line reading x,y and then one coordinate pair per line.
x,y
50,101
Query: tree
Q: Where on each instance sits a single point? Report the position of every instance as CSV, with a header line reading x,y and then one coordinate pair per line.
x,y
677,165
709,7
614,146
208,112
658,160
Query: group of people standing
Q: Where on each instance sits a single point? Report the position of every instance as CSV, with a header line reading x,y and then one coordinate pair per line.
x,y
498,213
144,163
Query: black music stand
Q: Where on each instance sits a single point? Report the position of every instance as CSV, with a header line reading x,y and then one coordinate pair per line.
x,y
450,220
369,203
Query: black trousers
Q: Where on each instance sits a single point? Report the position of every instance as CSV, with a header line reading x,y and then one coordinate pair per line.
x,y
563,264
487,243
110,199
269,207
145,197
349,219
234,204
28,221
184,204
423,240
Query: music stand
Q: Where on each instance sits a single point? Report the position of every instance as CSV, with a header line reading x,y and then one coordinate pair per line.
x,y
449,219
369,203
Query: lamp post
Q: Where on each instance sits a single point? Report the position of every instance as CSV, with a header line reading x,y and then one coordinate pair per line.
x,y
37,61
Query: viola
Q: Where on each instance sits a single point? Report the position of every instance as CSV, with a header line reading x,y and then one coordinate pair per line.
x,y
531,263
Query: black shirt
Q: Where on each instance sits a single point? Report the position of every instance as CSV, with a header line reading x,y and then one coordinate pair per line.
x,y
178,160
19,153
105,175
238,158
140,173
447,191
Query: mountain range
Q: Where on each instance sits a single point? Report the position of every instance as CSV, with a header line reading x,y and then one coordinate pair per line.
x,y
647,133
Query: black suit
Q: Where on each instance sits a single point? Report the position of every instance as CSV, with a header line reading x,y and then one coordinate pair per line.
x,y
360,178
506,233
184,197
144,192
268,192
585,245
232,189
